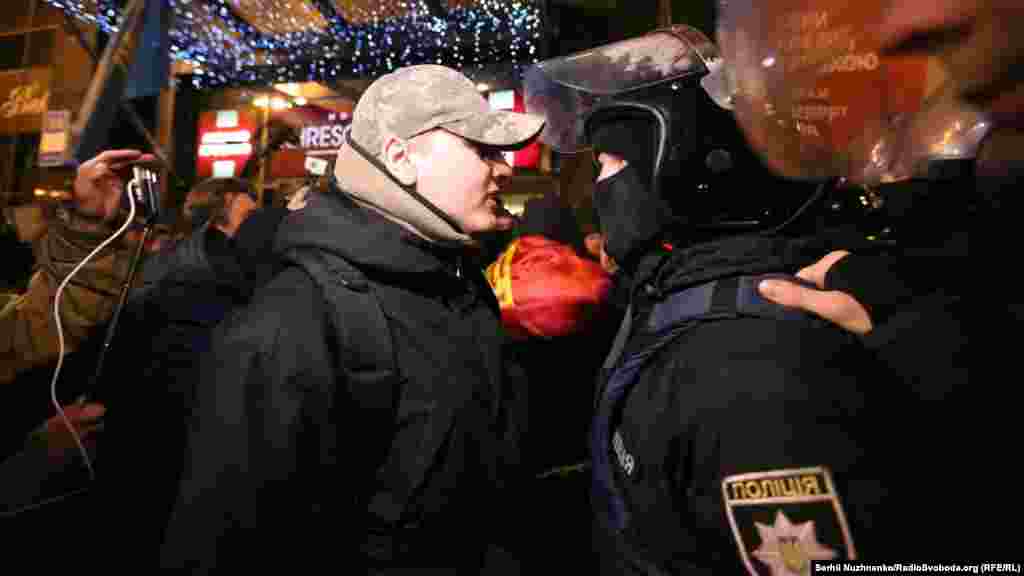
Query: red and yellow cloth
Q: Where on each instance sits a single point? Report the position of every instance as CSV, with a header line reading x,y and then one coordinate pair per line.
x,y
545,289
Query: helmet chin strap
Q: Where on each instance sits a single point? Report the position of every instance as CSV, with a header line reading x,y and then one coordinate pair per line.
x,y
409,189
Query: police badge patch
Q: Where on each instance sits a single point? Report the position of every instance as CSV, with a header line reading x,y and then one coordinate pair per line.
x,y
784,519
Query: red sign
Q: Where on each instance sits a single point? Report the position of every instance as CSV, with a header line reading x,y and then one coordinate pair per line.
x,y
228,138
226,141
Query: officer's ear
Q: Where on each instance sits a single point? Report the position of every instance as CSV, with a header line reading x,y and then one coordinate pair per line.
x,y
398,160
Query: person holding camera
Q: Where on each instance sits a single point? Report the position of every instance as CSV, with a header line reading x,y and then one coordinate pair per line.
x,y
180,294
27,331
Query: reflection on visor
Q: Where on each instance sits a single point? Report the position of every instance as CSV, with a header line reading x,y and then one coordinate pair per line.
x,y
562,107
818,98
564,90
628,65
945,128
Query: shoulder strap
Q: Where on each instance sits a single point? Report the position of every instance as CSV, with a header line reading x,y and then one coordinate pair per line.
x,y
726,298
722,299
360,320
361,349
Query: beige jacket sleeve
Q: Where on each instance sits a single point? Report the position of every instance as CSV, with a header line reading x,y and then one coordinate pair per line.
x,y
28,333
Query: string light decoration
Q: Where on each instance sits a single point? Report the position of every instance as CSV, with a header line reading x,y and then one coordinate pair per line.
x,y
242,42
101,13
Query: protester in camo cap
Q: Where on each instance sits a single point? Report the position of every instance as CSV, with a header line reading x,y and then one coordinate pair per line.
x,y
364,388
447,199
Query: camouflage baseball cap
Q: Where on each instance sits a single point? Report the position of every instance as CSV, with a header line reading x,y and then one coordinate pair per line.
x,y
415,99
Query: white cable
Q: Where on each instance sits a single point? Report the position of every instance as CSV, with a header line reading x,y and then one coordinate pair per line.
x,y
60,330
46,502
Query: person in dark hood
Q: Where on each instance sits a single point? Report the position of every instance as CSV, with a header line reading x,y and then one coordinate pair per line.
x,y
357,412
186,290
631,215
189,286
730,434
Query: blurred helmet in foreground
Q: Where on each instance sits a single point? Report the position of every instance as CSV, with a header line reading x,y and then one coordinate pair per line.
x,y
818,99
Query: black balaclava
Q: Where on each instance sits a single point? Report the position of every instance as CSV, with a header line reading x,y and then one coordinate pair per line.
x,y
629,207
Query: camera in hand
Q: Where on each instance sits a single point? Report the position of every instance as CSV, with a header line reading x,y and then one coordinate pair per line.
x,y
144,188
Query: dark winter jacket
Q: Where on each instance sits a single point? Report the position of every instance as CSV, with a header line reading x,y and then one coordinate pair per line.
x,y
283,458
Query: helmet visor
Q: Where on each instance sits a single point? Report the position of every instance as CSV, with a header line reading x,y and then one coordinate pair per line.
x,y
564,90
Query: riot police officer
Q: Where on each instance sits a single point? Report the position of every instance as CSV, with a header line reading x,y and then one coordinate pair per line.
x,y
729,433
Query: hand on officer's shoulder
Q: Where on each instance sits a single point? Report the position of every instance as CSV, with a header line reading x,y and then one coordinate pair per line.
x,y
837,307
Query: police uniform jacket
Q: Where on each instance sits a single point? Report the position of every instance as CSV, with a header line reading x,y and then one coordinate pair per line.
x,y
753,444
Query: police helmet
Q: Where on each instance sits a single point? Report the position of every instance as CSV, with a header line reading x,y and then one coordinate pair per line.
x,y
670,96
